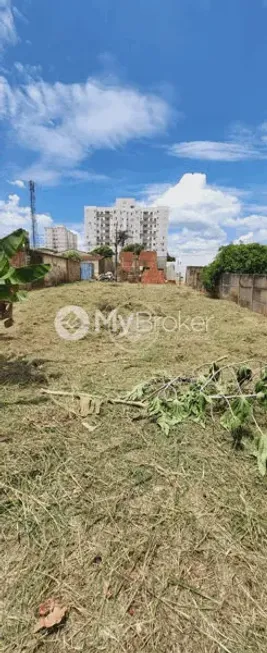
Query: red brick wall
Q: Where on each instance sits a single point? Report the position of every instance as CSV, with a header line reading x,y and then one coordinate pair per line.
x,y
148,259
19,259
126,261
130,267
153,276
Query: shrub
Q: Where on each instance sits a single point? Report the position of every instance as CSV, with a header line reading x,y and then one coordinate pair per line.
x,y
239,259
73,254
136,248
103,250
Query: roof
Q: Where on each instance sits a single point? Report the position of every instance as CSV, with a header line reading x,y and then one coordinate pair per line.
x,y
49,252
91,257
86,256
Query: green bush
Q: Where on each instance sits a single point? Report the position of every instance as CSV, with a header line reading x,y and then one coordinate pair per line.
x,y
103,250
136,248
239,259
73,254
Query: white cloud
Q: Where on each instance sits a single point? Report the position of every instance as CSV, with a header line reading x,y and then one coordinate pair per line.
x,y
64,123
244,144
14,216
51,176
261,236
253,221
17,182
245,239
27,72
20,15
214,151
195,250
200,215
8,35
195,204
258,236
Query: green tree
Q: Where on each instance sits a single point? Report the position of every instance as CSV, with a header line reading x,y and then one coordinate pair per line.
x,y
170,259
103,250
239,259
12,278
136,248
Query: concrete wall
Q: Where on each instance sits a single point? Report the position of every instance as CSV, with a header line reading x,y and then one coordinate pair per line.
x,y
73,270
193,277
63,270
171,271
162,263
58,272
247,290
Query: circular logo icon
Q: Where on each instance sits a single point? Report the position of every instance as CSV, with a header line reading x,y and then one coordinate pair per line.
x,y
72,323
131,327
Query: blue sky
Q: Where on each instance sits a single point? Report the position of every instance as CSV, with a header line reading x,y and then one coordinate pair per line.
x,y
162,101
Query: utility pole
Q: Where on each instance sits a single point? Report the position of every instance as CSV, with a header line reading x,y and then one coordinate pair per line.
x,y
34,224
116,252
179,263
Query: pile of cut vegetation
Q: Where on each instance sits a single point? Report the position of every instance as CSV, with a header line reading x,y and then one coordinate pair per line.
x,y
147,535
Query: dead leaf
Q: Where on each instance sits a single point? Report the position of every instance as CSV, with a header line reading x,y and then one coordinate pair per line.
x,y
109,595
85,405
92,407
46,607
98,404
51,615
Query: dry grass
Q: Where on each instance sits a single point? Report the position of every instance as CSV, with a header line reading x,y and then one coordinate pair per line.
x,y
155,544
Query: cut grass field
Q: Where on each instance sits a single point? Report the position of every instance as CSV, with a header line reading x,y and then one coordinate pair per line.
x,y
153,543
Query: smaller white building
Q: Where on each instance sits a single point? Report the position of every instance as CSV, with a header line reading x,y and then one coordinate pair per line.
x,y
60,239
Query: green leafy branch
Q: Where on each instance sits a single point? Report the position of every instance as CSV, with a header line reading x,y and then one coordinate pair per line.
x,y
12,278
235,394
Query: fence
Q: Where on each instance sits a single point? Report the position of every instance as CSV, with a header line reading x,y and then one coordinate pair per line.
x,y
245,289
193,277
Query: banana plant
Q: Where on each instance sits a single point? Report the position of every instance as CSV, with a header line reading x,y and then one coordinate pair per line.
x,y
12,278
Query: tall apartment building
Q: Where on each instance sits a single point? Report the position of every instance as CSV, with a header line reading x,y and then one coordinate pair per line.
x,y
145,225
60,239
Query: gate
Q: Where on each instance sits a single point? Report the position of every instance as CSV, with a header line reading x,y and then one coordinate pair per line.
x,y
87,271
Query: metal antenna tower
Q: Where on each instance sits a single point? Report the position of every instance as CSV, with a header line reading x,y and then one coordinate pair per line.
x,y
34,222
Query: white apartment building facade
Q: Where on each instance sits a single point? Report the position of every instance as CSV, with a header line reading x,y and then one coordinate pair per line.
x,y
60,239
145,225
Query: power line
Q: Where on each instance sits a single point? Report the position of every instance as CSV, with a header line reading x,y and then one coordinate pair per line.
x,y
33,214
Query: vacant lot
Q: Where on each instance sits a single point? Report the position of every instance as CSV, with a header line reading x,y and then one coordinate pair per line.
x,y
154,543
